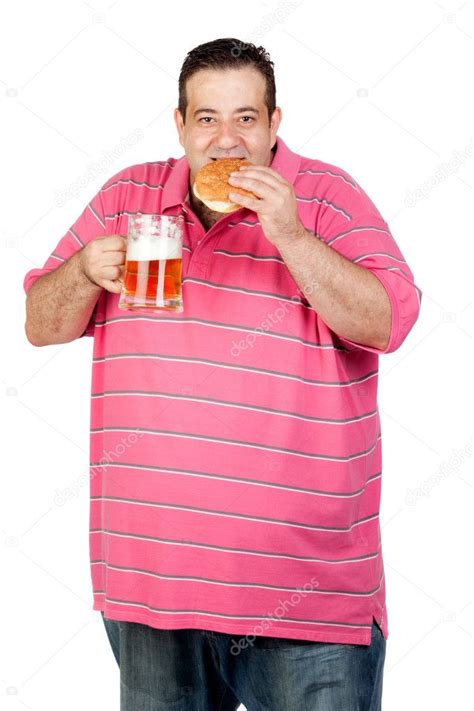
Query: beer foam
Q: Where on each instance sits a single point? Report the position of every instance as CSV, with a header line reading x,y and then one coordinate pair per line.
x,y
146,243
151,248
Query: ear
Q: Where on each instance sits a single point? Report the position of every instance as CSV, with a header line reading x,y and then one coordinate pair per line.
x,y
178,119
275,122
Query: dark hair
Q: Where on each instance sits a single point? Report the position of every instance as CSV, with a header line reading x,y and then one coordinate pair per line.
x,y
227,53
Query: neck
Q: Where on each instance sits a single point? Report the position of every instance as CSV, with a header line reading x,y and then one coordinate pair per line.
x,y
207,216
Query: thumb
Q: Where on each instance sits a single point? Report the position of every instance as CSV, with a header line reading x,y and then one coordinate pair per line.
x,y
115,287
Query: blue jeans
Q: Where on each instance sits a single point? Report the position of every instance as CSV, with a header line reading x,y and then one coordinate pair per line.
x,y
200,670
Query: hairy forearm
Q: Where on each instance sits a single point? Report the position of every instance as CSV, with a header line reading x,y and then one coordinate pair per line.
x,y
348,297
59,305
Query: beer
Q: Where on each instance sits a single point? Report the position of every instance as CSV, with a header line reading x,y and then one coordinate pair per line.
x,y
152,275
141,280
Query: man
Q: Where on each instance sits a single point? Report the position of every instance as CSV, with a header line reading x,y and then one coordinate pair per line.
x,y
235,447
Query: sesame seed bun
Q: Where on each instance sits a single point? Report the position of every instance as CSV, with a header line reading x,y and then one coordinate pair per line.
x,y
211,185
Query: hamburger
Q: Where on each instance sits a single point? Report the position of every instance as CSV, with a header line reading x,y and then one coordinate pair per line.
x,y
211,184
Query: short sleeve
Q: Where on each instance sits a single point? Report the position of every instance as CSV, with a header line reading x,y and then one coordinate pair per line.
x,y
89,225
360,234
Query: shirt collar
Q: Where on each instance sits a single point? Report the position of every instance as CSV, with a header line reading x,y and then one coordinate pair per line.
x,y
176,188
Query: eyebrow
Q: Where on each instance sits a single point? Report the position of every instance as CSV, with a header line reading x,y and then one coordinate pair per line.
x,y
237,111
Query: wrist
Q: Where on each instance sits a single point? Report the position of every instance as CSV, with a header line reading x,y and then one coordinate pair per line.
x,y
299,237
82,274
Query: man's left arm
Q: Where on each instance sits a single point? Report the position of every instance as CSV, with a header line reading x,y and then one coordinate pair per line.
x,y
358,304
349,298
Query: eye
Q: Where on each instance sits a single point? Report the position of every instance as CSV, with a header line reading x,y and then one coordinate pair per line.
x,y
206,119
244,119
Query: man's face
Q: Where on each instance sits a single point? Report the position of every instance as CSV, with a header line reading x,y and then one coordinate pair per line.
x,y
226,117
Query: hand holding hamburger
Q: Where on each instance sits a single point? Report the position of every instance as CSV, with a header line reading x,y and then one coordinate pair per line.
x,y
260,188
211,185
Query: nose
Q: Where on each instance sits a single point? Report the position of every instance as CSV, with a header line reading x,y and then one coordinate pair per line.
x,y
227,137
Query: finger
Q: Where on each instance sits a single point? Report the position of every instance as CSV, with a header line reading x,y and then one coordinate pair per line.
x,y
258,187
262,171
115,287
110,259
263,178
244,201
113,243
110,272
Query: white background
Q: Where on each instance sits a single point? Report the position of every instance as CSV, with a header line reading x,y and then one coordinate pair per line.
x,y
381,89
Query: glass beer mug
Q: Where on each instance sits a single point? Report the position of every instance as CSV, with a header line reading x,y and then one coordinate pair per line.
x,y
152,275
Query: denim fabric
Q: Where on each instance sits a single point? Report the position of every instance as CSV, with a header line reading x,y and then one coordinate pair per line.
x,y
200,670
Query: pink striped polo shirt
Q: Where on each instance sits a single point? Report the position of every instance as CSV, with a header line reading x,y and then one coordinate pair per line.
x,y
236,447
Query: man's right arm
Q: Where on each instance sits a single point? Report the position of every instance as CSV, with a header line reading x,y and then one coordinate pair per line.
x,y
59,304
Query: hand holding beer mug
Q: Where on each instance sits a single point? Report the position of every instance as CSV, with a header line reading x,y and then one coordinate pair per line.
x,y
152,277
